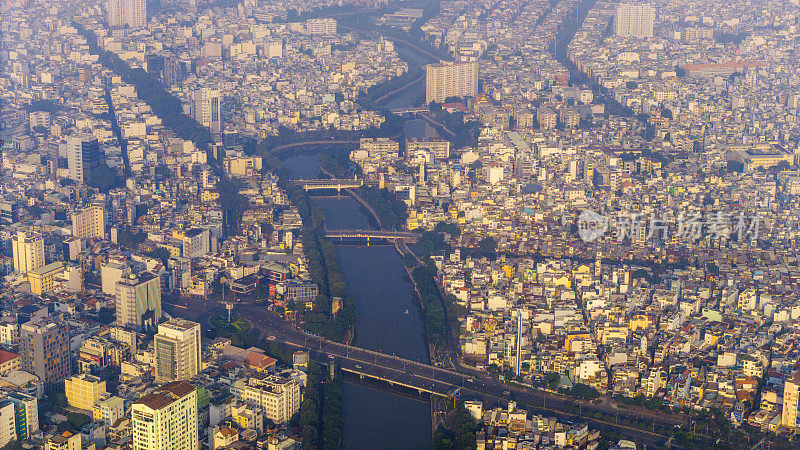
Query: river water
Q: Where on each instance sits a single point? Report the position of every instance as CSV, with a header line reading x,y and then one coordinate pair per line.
x,y
377,282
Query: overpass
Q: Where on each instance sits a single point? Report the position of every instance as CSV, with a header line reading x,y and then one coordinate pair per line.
x,y
372,234
332,183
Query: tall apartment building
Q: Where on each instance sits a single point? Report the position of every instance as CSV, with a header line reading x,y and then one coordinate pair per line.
x,y
83,390
139,301
634,20
791,394
206,108
27,251
450,79
324,26
89,222
83,156
44,349
132,13
166,419
279,396
177,350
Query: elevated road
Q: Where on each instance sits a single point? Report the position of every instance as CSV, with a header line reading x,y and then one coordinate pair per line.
x,y
302,144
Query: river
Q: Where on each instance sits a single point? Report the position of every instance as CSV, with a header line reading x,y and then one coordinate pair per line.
x,y
377,282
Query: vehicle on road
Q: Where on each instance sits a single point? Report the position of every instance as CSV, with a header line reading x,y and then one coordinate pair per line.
x,y
506,393
271,338
471,380
358,367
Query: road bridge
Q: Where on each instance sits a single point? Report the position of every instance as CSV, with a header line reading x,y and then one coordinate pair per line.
x,y
372,234
329,183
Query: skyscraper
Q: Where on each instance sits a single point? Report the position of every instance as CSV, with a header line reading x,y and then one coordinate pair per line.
x,y
206,108
450,79
166,419
634,19
791,389
139,301
44,350
89,222
83,156
28,251
132,13
177,346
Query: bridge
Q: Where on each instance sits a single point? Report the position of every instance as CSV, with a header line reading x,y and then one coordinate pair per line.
x,y
400,112
372,234
310,185
303,144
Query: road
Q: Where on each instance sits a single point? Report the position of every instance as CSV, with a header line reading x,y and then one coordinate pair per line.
x,y
283,147
477,386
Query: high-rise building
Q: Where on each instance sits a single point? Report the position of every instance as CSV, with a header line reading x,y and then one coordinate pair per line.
x,y
83,156
89,222
132,13
791,391
279,396
177,350
166,419
139,301
83,390
44,349
450,79
27,251
634,20
206,108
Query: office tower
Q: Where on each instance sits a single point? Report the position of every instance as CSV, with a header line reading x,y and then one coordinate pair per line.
x,y
177,352
206,108
279,396
450,79
27,251
634,20
83,390
26,411
790,401
83,156
132,13
325,26
166,419
139,301
44,349
89,222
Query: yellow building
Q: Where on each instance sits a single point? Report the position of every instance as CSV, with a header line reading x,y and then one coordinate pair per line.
x,y
9,362
43,279
84,390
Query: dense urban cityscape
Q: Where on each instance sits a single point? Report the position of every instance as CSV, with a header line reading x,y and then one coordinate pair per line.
x,y
446,224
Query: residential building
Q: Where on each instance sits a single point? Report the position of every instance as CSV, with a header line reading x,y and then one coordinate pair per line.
x,y
139,301
44,350
450,79
9,362
166,419
43,279
8,427
64,441
279,396
130,13
177,350
108,409
634,20
27,251
438,148
323,26
84,390
379,147
790,401
26,411
89,222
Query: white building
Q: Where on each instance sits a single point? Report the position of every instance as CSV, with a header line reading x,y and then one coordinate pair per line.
x,y
132,13
89,222
634,20
139,301
27,251
449,79
326,26
279,397
206,108
166,419
177,350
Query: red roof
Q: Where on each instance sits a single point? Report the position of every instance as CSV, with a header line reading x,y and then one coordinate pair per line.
x,y
7,356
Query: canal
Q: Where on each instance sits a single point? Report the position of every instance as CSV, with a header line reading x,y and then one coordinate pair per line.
x,y
388,321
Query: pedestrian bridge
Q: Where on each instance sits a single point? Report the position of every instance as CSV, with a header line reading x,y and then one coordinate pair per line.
x,y
310,185
405,236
